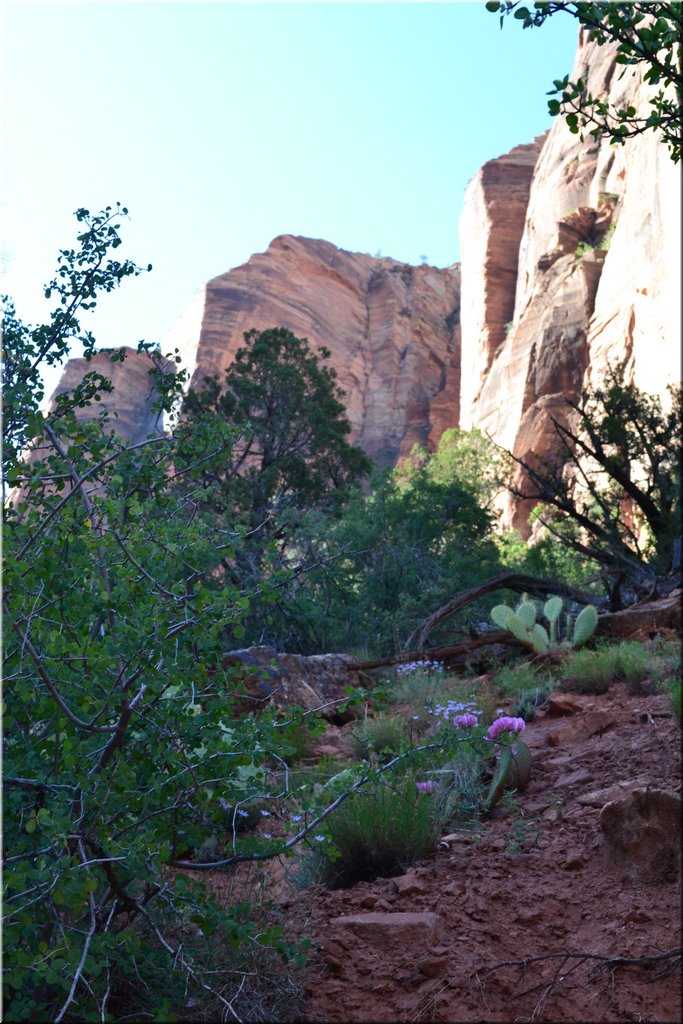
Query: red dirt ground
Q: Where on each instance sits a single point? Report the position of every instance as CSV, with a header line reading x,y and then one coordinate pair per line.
x,y
560,897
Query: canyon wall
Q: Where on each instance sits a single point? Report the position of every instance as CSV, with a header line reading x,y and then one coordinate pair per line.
x,y
593,281
570,263
391,328
130,403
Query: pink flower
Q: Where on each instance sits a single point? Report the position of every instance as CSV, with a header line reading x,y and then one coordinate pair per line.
x,y
505,724
427,787
466,721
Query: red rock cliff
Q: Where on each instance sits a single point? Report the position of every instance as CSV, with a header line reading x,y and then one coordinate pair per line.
x,y
595,277
391,328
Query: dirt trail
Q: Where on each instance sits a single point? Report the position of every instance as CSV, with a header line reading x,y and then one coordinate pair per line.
x,y
535,889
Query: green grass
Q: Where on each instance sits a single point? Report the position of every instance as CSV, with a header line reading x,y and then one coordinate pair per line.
x,y
377,833
592,671
381,737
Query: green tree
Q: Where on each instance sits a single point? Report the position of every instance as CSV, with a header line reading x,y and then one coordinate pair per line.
x,y
290,462
291,447
119,760
465,456
394,554
646,35
612,490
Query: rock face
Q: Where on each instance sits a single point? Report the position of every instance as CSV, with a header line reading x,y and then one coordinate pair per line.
x,y
491,228
391,328
595,274
130,403
570,263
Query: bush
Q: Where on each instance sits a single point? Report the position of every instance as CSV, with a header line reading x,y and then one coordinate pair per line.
x,y
383,737
378,833
418,683
592,671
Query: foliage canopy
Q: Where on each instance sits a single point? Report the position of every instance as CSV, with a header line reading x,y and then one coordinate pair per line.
x,y
646,35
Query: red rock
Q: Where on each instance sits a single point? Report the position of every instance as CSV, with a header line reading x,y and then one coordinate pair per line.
x,y
572,314
591,723
642,832
385,930
390,327
409,884
133,394
564,704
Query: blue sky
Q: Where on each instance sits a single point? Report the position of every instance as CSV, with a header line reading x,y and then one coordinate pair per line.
x,y
223,125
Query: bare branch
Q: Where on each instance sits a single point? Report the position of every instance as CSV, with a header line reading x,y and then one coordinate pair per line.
x,y
86,945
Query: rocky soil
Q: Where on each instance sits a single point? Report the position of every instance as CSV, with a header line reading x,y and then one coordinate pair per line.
x,y
538,916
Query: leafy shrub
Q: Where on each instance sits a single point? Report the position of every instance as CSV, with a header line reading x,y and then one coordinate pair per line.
x,y
418,683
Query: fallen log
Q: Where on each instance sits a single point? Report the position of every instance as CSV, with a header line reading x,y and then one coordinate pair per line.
x,y
450,652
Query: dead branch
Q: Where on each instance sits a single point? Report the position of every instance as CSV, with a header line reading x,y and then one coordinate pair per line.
x,y
449,651
668,961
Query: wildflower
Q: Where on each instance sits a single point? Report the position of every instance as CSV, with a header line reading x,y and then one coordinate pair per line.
x,y
242,814
296,817
267,835
416,718
319,839
465,721
427,787
505,724
265,814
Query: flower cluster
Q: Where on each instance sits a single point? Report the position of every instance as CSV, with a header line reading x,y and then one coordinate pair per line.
x,y
419,666
505,724
457,713
427,787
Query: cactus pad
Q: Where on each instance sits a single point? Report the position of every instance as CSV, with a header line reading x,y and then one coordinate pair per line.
x,y
585,625
500,615
526,611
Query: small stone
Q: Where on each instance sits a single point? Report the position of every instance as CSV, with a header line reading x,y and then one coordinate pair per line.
x,y
432,966
409,884
574,860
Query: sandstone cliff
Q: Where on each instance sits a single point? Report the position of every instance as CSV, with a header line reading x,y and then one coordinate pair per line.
x,y
132,399
392,330
594,279
570,262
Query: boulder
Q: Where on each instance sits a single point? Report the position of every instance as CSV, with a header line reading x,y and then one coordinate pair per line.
x,y
642,833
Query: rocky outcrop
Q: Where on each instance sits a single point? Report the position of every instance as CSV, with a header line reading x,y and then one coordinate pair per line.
x,y
260,676
391,328
130,403
570,263
596,275
491,229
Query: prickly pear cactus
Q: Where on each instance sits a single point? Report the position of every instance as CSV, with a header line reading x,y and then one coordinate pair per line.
x,y
500,615
526,611
521,766
522,624
585,625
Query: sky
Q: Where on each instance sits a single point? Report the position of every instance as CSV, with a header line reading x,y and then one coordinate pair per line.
x,y
222,125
